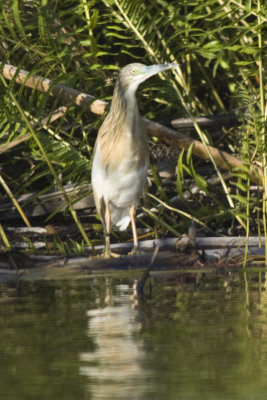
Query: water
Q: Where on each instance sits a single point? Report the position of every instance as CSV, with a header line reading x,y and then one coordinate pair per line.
x,y
190,337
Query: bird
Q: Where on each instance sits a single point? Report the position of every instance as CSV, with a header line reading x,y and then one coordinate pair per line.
x,y
121,153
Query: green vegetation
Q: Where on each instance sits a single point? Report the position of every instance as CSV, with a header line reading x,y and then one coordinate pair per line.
x,y
219,46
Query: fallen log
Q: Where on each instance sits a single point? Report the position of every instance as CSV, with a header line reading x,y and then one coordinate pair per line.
x,y
219,252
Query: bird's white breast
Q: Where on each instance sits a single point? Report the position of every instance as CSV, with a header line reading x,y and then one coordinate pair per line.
x,y
122,186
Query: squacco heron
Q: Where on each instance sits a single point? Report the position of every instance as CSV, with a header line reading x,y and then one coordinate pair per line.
x,y
121,153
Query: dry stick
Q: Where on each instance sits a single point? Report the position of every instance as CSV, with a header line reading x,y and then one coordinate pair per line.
x,y
58,113
8,146
170,136
57,90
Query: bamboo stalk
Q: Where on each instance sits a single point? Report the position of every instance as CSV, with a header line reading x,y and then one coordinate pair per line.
x,y
46,85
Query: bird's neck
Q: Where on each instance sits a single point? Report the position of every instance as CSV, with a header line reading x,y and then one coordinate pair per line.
x,y
132,111
123,132
124,104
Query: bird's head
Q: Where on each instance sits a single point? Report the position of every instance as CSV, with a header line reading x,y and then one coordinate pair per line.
x,y
134,74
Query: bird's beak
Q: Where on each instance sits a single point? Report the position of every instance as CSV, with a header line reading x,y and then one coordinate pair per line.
x,y
156,68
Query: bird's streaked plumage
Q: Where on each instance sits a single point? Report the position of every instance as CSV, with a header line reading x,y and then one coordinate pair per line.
x,y
121,153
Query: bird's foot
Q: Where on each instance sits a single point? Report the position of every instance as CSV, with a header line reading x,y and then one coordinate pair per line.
x,y
135,251
109,254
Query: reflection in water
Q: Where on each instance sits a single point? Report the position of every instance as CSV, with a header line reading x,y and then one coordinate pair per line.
x,y
192,338
115,363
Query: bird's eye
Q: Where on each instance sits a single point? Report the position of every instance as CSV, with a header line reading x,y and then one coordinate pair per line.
x,y
134,71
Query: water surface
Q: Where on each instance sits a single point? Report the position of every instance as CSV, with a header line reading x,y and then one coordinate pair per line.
x,y
189,337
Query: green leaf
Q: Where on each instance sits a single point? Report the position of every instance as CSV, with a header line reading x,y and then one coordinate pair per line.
x,y
244,62
16,15
180,177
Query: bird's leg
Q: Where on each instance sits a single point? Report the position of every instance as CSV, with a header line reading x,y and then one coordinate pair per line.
x,y
107,252
107,230
135,239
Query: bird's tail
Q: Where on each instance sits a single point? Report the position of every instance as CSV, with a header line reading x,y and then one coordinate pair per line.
x,y
123,223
